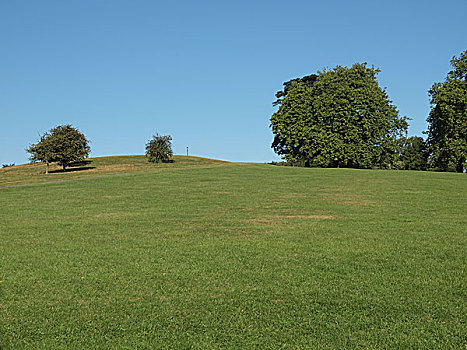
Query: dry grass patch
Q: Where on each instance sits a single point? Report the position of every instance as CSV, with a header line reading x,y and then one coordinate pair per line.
x,y
270,220
103,197
348,199
293,196
113,215
265,222
316,217
241,209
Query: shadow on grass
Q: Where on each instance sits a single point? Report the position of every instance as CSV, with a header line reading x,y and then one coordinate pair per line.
x,y
164,161
80,163
70,170
75,166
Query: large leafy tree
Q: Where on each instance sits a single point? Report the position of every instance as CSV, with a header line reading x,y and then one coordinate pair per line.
x,y
447,129
337,118
63,144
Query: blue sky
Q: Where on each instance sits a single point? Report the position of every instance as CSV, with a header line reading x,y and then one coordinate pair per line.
x,y
204,72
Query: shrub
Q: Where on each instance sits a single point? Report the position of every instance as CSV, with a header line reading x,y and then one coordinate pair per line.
x,y
159,149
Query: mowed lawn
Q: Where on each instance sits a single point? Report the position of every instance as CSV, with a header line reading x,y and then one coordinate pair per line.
x,y
226,255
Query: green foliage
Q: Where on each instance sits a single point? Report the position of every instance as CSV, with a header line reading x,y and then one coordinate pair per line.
x,y
447,130
40,151
307,80
414,154
63,144
337,118
159,149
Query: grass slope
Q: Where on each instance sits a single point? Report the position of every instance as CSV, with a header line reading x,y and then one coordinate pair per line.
x,y
96,167
235,256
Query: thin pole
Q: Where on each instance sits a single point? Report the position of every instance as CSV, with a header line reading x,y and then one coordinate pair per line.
x,y
186,150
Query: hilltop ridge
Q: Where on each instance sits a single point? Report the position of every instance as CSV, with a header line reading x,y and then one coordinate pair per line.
x,y
32,173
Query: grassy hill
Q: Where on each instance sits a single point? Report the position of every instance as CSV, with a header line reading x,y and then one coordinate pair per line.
x,y
206,254
95,167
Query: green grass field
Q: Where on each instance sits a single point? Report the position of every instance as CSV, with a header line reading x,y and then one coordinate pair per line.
x,y
205,254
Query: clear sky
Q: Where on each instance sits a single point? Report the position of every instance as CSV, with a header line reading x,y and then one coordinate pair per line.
x,y
202,71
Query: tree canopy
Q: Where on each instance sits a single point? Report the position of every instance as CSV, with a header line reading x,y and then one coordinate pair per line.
x,y
414,154
40,152
159,148
447,121
63,144
337,118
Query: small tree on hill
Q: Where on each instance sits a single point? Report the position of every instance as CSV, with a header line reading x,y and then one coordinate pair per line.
x,y
159,148
63,144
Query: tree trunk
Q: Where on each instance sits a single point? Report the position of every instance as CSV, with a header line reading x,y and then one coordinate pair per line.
x,y
64,167
47,167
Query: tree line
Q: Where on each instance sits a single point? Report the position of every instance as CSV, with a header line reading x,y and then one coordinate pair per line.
x,y
342,118
335,118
